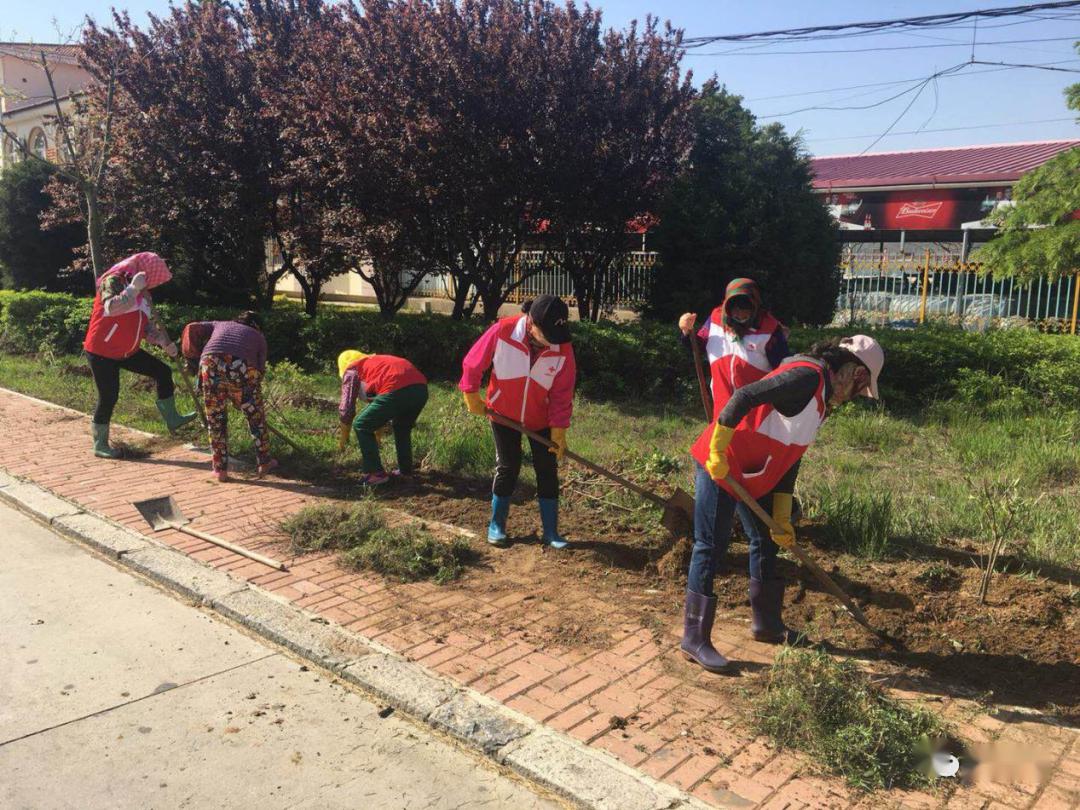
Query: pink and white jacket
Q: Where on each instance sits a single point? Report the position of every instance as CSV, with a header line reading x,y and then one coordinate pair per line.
x,y
535,388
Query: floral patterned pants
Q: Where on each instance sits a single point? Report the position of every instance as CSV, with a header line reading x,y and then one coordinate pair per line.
x,y
225,379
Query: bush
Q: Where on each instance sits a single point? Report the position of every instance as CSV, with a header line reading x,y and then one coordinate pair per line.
x,y
39,321
634,361
830,710
32,258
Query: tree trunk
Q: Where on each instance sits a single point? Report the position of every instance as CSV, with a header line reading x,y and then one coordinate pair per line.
x,y
461,293
93,230
311,298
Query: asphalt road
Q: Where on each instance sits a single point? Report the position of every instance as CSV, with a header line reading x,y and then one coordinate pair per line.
x,y
114,694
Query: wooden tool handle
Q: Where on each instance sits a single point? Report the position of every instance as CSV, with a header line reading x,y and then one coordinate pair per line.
x,y
584,462
243,552
804,557
700,369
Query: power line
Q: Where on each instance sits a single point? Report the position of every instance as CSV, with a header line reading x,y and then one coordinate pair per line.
x,y
929,21
917,85
882,48
895,82
943,129
914,98
1017,65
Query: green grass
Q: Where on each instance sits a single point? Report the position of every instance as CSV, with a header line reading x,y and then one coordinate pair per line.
x,y
877,482
829,709
407,552
860,523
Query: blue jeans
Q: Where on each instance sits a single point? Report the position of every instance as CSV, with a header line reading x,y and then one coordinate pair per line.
x,y
714,509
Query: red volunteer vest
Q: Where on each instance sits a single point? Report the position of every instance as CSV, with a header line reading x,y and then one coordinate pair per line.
x,y
735,363
518,389
384,374
118,336
766,443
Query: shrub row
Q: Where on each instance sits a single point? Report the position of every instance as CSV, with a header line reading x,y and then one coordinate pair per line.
x,y
616,361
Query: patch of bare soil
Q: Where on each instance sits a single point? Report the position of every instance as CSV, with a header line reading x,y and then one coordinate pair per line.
x,y
1021,648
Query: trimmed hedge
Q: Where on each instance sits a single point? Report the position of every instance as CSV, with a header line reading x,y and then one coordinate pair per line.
x,y
641,361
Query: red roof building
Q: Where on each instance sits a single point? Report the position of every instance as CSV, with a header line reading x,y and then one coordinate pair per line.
x,y
944,191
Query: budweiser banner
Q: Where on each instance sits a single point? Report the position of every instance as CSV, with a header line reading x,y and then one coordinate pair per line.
x,y
928,209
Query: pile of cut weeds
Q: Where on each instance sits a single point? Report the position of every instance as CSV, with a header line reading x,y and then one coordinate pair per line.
x,y
832,711
406,552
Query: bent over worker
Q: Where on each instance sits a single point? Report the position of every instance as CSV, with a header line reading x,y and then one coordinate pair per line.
x,y
532,382
396,393
232,364
121,318
758,439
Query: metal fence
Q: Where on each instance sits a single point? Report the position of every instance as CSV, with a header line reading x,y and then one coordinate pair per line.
x,y
536,272
906,290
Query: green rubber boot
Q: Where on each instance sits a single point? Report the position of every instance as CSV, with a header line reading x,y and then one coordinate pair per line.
x,y
101,441
174,420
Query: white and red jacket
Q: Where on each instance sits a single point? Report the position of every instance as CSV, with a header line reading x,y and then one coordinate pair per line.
x,y
735,362
766,444
117,336
536,389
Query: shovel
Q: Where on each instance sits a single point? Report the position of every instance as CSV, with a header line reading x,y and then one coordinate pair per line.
x,y
163,513
678,509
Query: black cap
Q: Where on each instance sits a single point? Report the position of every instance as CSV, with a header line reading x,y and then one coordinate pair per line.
x,y
551,314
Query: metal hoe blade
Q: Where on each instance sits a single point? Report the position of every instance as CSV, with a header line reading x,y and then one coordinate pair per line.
x,y
161,513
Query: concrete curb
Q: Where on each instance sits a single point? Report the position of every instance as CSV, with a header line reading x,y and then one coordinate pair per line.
x,y
587,777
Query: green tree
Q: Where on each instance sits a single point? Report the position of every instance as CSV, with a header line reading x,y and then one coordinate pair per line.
x,y
1040,233
31,258
744,206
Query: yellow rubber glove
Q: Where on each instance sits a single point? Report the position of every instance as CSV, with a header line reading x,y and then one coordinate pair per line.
x,y
781,513
343,437
717,465
474,402
558,438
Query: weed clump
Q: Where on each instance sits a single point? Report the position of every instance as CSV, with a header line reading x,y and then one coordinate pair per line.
x,y
409,552
830,710
859,523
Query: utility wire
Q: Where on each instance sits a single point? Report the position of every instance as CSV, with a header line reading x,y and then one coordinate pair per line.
x,y
882,48
943,129
1017,65
919,84
890,84
928,21
914,98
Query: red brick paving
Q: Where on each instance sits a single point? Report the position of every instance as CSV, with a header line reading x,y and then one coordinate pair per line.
x,y
678,726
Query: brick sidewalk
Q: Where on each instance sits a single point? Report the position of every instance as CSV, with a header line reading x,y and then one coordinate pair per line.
x,y
679,722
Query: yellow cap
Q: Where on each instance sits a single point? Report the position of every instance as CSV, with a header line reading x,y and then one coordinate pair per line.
x,y
347,358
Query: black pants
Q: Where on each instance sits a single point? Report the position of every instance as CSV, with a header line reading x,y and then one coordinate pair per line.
x,y
107,379
508,463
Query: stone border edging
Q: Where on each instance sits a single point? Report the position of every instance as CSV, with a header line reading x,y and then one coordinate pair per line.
x,y
586,776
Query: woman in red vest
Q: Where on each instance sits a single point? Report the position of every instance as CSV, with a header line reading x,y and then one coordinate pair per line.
x,y
121,319
396,393
758,439
532,382
742,340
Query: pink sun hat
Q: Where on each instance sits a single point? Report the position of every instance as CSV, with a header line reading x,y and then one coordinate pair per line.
x,y
157,272
871,355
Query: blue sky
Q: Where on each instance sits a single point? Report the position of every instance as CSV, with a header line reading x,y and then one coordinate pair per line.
x,y
989,104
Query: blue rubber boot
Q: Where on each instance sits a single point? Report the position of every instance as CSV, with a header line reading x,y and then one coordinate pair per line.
x,y
500,508
549,518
